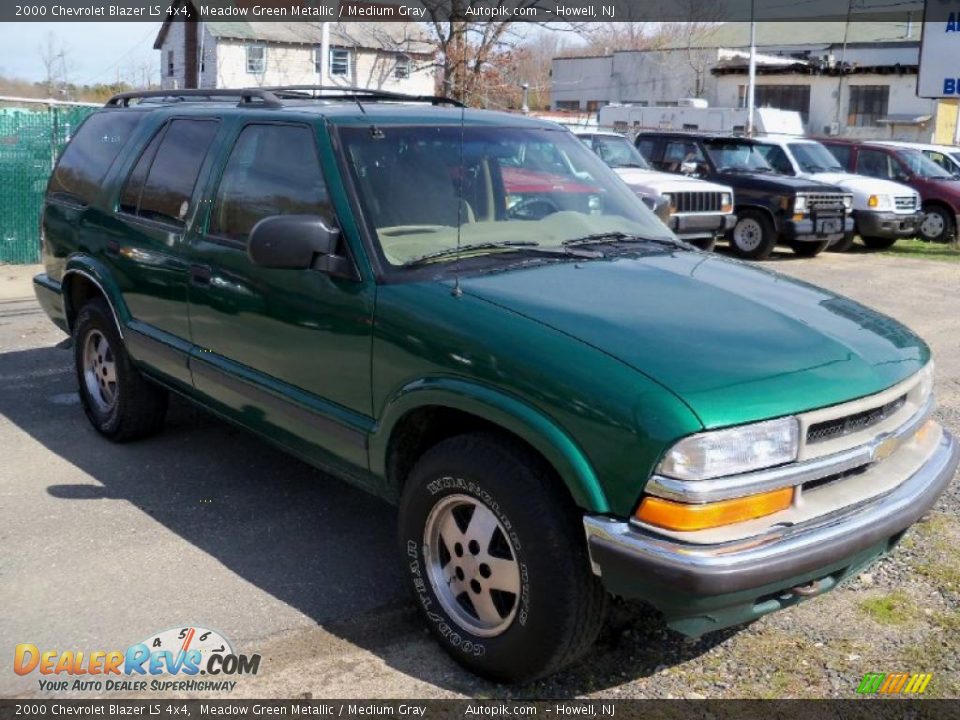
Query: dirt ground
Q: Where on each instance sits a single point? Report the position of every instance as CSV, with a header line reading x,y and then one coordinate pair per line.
x,y
205,525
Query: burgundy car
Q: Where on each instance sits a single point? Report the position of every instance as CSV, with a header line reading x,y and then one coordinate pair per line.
x,y
939,190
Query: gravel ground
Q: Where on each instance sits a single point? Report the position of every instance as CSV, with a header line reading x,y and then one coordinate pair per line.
x,y
900,616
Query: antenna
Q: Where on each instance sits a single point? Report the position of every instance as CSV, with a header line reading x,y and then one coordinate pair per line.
x,y
457,291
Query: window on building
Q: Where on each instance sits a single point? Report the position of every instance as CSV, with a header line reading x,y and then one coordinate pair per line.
x,y
595,105
256,59
568,104
272,170
161,184
341,62
401,70
868,103
783,97
169,63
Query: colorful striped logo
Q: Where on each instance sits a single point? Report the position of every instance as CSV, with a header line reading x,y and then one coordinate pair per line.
x,y
894,683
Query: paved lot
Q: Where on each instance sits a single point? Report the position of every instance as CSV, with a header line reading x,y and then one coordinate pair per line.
x,y
103,545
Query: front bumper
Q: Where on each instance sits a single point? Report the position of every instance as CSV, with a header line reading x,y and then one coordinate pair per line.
x,y
705,587
811,229
690,226
887,224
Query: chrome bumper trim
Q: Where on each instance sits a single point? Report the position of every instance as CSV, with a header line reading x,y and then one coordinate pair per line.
x,y
734,486
784,550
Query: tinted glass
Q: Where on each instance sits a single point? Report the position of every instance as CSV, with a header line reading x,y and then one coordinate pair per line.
x,y
85,162
814,157
678,152
645,146
426,188
130,198
169,186
272,170
841,153
777,158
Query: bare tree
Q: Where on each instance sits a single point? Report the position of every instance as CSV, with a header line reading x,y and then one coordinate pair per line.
x,y
53,55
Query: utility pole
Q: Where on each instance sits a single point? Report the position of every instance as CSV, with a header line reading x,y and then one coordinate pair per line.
x,y
843,60
324,52
752,81
525,107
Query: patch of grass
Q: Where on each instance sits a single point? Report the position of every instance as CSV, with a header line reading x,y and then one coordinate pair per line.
x,y
893,609
945,252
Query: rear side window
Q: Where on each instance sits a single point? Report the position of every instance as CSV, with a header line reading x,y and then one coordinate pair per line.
x,y
645,146
161,184
86,160
272,170
841,153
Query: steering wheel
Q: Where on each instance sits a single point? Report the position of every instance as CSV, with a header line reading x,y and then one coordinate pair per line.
x,y
535,208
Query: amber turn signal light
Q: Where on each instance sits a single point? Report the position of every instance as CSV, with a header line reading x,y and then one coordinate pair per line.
x,y
672,515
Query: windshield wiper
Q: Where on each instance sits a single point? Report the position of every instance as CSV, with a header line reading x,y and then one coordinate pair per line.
x,y
617,237
630,165
516,245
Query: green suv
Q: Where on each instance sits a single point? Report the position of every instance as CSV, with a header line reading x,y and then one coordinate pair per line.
x,y
564,400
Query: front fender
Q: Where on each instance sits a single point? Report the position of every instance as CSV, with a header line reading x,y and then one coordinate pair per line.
x,y
503,410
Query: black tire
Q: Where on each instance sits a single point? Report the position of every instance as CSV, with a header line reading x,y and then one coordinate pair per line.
x,y
878,243
809,249
843,245
560,604
947,221
761,229
137,407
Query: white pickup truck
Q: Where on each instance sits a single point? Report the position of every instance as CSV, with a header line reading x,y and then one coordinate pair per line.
x,y
883,211
697,211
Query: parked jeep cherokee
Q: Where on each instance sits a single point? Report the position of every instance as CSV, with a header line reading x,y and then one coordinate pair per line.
x,y
698,211
562,407
883,211
805,214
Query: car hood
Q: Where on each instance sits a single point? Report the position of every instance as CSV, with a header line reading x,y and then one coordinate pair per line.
x,y
774,182
863,183
666,182
735,342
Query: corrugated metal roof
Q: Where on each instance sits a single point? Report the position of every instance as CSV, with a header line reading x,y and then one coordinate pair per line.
x,y
376,36
779,34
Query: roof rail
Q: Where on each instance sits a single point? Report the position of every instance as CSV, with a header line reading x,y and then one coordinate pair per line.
x,y
246,96
292,92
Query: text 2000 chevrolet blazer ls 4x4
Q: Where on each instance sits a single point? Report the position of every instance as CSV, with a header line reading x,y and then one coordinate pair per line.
x,y
563,405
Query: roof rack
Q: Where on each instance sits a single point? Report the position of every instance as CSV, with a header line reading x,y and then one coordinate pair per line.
x,y
273,96
247,96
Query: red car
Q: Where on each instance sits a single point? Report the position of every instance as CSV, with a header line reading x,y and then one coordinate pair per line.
x,y
939,190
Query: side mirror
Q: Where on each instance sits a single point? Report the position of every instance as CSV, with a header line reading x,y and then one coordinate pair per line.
x,y
292,242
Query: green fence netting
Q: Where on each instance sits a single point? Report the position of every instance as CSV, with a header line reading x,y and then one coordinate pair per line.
x,y
30,141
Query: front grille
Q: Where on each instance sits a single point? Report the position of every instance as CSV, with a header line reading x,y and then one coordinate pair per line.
x,y
697,202
908,202
840,427
824,201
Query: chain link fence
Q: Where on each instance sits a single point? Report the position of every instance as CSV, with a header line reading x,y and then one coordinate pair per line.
x,y
32,134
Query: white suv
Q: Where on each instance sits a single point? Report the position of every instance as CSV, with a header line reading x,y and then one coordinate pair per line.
x,y
697,211
883,211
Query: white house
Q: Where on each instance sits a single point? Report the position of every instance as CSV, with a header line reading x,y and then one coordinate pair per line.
x,y
857,80
393,56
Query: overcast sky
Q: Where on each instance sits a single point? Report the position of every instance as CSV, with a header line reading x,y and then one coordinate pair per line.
x,y
94,51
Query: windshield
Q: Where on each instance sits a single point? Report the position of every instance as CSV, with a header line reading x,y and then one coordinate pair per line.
x,y
506,189
733,155
921,165
617,152
814,158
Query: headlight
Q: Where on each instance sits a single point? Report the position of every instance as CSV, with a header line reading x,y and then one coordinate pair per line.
x,y
879,202
733,451
593,202
668,198
800,204
726,202
848,202
926,381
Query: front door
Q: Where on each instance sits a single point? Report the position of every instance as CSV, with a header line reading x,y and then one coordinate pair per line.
x,y
286,352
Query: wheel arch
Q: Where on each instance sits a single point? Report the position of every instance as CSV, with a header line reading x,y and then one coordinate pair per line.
x,y
83,279
739,209
428,411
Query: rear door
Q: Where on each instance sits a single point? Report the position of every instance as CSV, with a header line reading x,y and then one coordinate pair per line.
x,y
286,352
157,199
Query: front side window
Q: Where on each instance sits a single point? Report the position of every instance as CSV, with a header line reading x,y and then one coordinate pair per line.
x,y
86,160
161,184
814,158
777,158
340,62
424,187
879,164
868,103
272,170
733,155
946,161
678,152
256,59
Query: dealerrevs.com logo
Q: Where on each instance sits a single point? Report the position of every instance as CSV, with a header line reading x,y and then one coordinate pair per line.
x,y
169,661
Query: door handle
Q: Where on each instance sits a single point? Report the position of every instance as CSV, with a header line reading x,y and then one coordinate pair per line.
x,y
200,274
